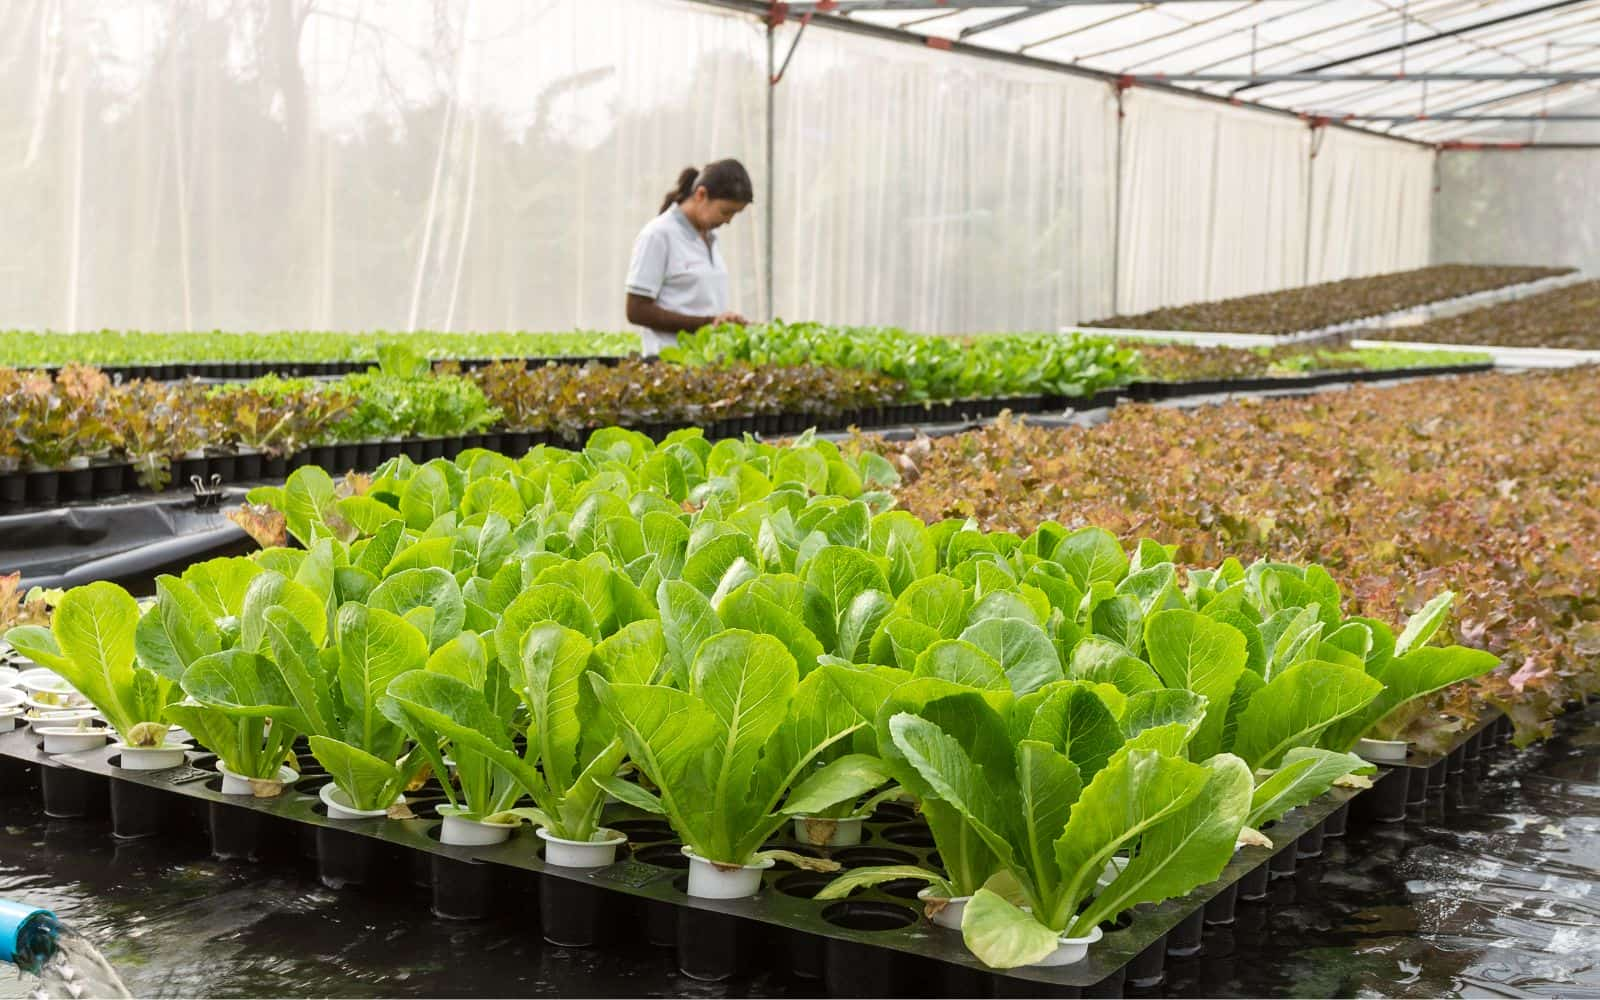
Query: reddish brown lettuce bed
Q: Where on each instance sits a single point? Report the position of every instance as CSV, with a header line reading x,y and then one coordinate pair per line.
x,y
1482,484
1315,306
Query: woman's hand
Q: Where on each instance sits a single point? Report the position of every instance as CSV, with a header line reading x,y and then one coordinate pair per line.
x,y
729,317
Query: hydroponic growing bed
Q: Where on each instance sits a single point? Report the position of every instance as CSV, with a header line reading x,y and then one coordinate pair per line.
x,y
1481,485
81,434
741,637
1313,307
1567,318
221,354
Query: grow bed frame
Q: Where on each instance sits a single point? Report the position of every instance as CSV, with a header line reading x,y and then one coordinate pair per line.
x,y
872,943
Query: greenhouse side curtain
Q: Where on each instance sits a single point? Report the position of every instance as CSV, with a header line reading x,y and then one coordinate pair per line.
x,y
1531,206
940,192
349,165
1213,202
1371,206
486,165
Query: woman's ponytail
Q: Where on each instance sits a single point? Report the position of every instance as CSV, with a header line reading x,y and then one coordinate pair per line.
x,y
684,190
725,179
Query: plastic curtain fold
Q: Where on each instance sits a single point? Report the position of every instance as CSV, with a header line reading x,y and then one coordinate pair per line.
x,y
481,165
1213,202
337,164
1371,206
939,192
1529,206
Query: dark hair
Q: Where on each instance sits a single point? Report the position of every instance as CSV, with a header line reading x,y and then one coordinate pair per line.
x,y
723,179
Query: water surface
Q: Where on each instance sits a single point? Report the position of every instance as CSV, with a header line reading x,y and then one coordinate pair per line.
x,y
1488,892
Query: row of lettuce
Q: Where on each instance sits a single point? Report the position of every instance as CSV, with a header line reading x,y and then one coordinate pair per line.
x,y
124,348
80,416
813,373
734,634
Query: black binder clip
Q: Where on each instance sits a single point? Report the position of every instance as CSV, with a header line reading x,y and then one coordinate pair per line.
x,y
207,494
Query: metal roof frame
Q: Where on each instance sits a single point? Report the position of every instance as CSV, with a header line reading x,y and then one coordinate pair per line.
x,y
821,13
1368,65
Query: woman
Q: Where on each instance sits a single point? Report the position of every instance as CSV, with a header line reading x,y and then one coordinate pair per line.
x,y
677,282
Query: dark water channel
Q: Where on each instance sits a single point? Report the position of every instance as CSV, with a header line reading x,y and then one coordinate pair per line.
x,y
1489,892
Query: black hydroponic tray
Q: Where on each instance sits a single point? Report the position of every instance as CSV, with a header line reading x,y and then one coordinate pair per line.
x,y
873,943
1153,391
177,371
1424,774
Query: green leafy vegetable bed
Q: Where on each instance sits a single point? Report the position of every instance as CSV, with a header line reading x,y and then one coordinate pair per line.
x,y
735,634
1315,306
1483,485
931,367
1186,362
109,348
1567,318
81,413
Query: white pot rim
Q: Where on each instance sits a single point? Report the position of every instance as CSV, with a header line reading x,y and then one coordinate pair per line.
x,y
1094,935
932,893
40,705
761,865
61,715
1383,751
614,840
159,748
327,792
223,768
459,814
43,679
11,698
286,774
73,731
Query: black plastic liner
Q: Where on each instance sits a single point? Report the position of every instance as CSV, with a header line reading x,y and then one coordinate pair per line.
x,y
874,943
1152,391
73,545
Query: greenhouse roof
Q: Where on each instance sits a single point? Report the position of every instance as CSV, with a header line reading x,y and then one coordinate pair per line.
x,y
1427,70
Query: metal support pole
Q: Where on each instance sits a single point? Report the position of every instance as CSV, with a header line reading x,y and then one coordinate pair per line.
x,y
1405,22
1116,210
1311,186
770,213
1309,76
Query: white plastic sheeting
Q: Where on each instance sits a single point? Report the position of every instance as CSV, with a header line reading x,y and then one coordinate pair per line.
x,y
338,164
940,192
1529,206
1213,202
1371,206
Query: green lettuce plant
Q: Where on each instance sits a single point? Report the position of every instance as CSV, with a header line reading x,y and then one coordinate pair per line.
x,y
731,756
1057,805
569,742
91,643
338,693
241,709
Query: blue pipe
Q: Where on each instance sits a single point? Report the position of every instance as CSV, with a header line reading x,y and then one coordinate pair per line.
x,y
27,935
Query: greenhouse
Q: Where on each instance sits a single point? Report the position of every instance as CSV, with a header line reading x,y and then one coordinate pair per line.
x,y
887,498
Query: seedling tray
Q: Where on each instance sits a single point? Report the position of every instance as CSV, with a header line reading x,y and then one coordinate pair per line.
x,y
875,942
